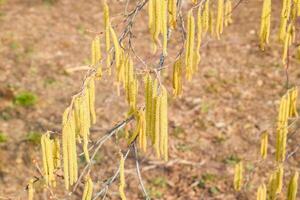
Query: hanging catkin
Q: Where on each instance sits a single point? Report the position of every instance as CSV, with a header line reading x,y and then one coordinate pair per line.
x,y
228,13
189,46
220,19
69,148
293,187
177,77
107,34
212,24
48,159
264,145
205,18
279,178
116,46
91,92
153,110
199,40
272,186
56,153
285,15
172,9
164,24
238,176
157,22
288,38
265,24
122,178
293,93
30,189
157,103
88,189
261,192
148,101
164,123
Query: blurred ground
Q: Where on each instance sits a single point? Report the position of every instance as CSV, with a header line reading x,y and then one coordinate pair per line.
x,y
217,122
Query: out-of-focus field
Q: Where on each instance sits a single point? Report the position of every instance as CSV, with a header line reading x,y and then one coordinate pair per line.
x,y
44,51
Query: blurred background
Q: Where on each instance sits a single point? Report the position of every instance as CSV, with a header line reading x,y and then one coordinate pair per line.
x,y
45,52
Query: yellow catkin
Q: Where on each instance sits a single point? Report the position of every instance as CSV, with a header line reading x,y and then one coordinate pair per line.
x,y
293,93
148,101
189,47
177,77
116,46
279,178
98,55
172,9
238,176
30,189
293,187
164,25
158,20
107,34
272,187
228,13
122,178
85,123
88,189
287,42
56,153
199,40
261,192
91,93
220,19
211,25
164,123
153,110
205,18
281,138
69,148
298,8
48,162
285,15
265,24
264,145
157,125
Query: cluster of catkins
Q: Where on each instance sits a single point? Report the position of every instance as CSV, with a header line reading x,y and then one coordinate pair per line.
x,y
287,30
287,110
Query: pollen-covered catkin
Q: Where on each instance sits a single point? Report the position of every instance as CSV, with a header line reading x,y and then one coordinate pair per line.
x,y
238,176
228,13
69,148
157,21
56,153
261,192
293,187
164,24
284,18
199,40
172,9
288,38
177,77
265,24
220,19
264,145
279,178
48,162
88,189
206,16
30,189
157,104
164,123
189,46
122,178
91,93
148,101
116,46
153,110
107,34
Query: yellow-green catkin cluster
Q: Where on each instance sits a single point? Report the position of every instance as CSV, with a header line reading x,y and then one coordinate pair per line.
x,y
77,120
177,77
88,189
275,182
293,187
238,176
189,46
51,158
220,19
156,116
264,145
261,192
287,29
287,109
122,177
158,22
30,189
265,23
140,130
